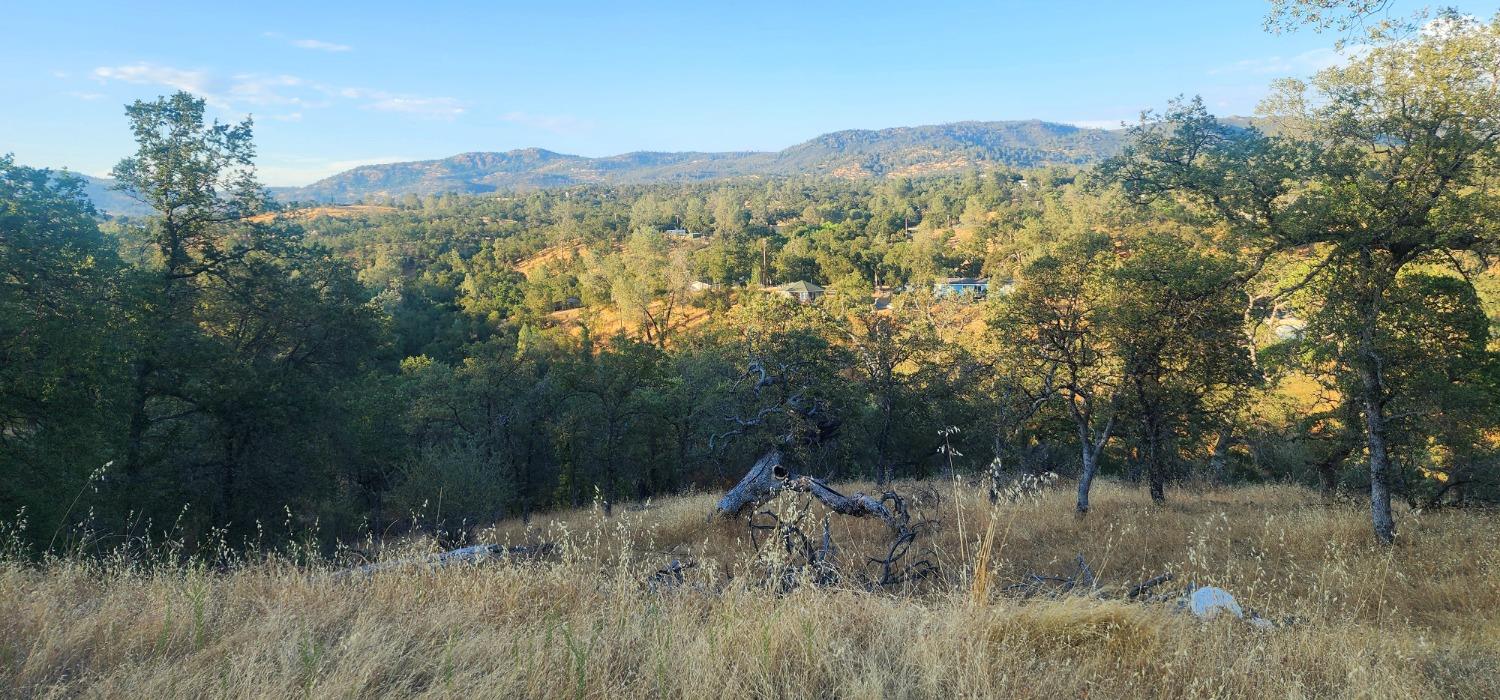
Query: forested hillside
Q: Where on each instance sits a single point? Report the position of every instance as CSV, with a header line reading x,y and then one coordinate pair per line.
x,y
1212,303
908,151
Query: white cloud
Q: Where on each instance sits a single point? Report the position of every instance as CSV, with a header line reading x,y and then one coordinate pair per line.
x,y
248,90
445,107
318,45
309,44
89,96
1305,63
253,89
380,100
564,124
195,81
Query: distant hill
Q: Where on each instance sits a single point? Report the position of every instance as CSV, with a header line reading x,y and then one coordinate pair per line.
x,y
106,199
853,153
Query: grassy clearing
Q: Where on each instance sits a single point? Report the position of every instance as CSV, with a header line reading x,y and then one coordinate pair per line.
x,y
1421,619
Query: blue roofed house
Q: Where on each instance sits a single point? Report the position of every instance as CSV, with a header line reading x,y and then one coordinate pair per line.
x,y
961,286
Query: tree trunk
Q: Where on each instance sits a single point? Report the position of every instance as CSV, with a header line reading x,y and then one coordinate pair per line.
x,y
758,485
1373,399
1328,481
1086,479
1218,460
1380,490
1155,469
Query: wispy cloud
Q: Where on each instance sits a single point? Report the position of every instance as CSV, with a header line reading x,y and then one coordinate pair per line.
x,y
564,124
1305,63
195,81
319,45
266,90
256,90
88,96
310,44
383,101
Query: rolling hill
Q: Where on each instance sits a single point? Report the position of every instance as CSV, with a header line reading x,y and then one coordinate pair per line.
x,y
852,153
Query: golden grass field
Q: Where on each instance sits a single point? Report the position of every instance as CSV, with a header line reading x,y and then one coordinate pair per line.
x,y
1420,620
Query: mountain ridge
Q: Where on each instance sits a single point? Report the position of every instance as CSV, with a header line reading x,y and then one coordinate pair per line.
x,y
849,153
853,153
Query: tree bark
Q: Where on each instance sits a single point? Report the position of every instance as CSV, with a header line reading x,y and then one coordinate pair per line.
x,y
1380,490
1090,450
1218,460
759,484
769,476
1156,470
1086,479
1373,399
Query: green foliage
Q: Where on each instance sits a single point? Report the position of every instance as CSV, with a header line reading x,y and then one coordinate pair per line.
x,y
1380,165
61,346
441,361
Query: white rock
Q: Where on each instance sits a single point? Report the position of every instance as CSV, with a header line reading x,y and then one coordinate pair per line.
x,y
1261,623
1209,601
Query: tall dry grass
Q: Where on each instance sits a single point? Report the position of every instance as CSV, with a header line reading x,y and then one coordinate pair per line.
x,y
1421,619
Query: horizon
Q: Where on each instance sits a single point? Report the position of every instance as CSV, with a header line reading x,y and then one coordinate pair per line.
x,y
331,88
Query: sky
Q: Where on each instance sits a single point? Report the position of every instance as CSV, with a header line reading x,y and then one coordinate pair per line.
x,y
333,85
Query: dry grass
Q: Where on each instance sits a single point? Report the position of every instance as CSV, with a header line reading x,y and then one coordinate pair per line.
x,y
1421,619
341,211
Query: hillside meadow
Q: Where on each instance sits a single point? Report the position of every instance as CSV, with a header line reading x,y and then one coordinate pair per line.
x,y
588,619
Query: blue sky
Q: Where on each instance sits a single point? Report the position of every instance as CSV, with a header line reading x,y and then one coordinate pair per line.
x,y
331,86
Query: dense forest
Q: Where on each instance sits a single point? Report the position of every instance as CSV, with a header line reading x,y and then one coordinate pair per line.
x,y
1312,303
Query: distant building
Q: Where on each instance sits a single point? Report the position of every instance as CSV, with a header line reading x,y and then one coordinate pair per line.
x,y
800,290
684,233
701,286
1287,327
961,286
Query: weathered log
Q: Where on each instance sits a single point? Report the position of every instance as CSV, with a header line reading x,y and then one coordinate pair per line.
x,y
1146,586
858,505
759,485
669,577
770,475
463,555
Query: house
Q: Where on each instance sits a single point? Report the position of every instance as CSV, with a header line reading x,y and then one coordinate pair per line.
x,y
701,286
685,234
802,291
961,286
1287,327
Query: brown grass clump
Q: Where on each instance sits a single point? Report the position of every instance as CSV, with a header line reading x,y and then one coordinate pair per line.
x,y
1419,620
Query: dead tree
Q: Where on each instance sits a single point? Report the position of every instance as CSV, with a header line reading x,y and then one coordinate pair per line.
x,y
773,474
770,475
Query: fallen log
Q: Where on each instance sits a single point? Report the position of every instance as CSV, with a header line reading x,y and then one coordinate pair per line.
x,y
669,577
770,475
759,485
858,505
1146,586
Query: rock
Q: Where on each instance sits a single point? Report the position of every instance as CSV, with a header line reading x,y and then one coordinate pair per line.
x,y
1207,602
1261,623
